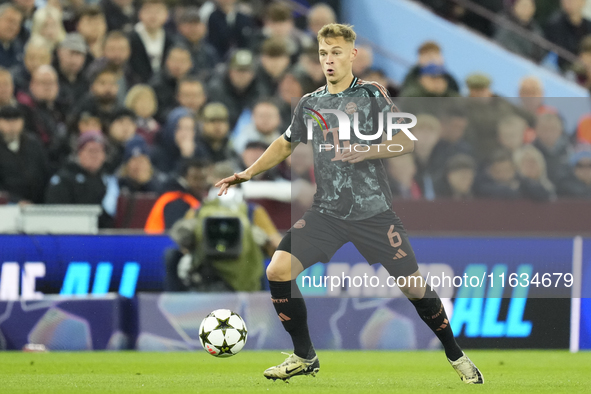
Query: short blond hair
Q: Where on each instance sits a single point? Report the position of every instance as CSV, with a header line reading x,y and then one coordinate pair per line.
x,y
136,92
334,30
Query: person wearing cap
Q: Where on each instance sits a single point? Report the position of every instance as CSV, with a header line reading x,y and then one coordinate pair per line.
x,y
149,41
24,169
431,83
137,175
69,64
458,180
578,183
479,85
82,181
237,88
228,28
213,144
165,82
191,34
121,130
44,114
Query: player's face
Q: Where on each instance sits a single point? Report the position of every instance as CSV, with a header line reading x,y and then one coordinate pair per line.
x,y
336,57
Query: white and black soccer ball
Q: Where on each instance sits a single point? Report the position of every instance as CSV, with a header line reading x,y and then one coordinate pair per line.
x,y
222,333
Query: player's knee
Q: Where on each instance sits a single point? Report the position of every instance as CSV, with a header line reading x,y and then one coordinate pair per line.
x,y
278,270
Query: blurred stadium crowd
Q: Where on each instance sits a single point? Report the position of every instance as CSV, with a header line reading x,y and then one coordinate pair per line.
x,y
101,98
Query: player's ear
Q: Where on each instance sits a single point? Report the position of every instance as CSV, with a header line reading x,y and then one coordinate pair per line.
x,y
353,53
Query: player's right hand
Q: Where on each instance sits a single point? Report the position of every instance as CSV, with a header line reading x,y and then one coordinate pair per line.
x,y
235,179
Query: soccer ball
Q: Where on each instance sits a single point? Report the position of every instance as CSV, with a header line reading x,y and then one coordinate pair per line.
x,y
222,333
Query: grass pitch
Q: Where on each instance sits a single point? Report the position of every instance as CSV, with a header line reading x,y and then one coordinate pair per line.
x,y
340,372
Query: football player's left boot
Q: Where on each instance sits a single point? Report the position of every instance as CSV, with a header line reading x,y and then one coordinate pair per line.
x,y
467,370
293,366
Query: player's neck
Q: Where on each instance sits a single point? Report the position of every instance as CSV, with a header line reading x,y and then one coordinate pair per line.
x,y
341,85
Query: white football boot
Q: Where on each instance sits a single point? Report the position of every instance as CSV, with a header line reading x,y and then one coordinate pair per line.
x,y
293,366
467,370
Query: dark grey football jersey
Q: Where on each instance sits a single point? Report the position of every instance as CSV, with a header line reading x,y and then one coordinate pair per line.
x,y
344,190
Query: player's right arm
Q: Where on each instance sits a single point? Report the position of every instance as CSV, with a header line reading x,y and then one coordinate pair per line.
x,y
278,151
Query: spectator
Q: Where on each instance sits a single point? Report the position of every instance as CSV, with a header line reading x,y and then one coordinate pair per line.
x,y
192,35
581,70
379,76
82,181
237,88
263,128
36,54
88,121
93,27
401,174
181,194
120,14
567,27
578,183
428,133
137,174
499,180
47,24
308,69
121,132
213,144
141,99
452,142
102,98
531,167
520,12
149,41
428,53
6,88
531,93
431,83
191,95
274,61
11,50
24,170
320,14
165,82
176,142
289,91
116,53
363,61
45,115
458,180
554,145
510,132
69,64
484,112
228,28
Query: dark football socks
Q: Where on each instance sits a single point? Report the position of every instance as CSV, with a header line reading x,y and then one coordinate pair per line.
x,y
291,308
431,310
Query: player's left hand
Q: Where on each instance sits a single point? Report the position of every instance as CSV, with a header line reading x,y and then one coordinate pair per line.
x,y
353,156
